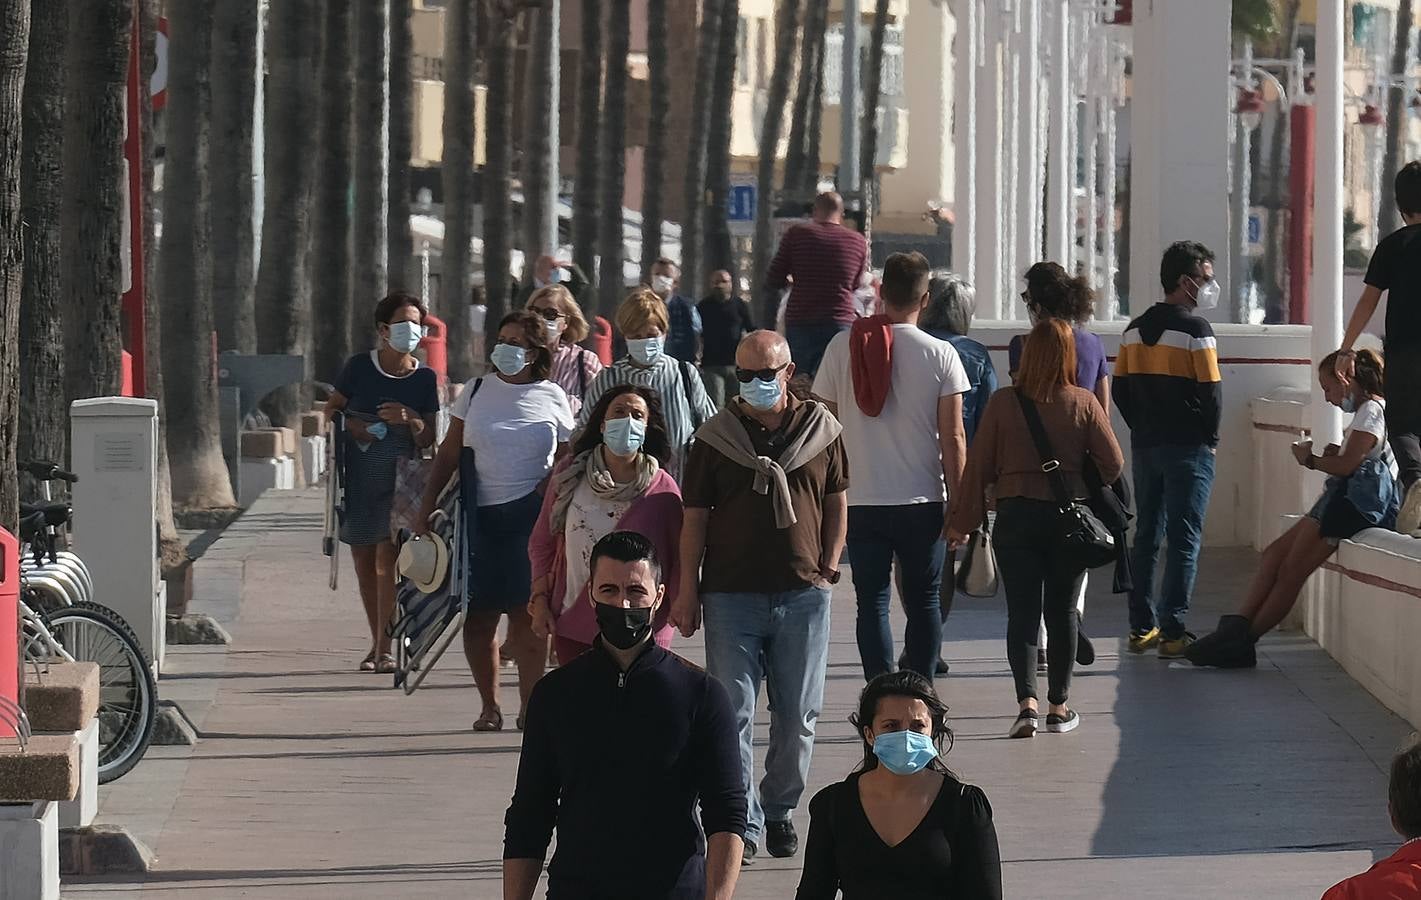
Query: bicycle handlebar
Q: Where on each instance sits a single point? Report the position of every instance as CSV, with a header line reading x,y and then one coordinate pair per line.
x,y
48,471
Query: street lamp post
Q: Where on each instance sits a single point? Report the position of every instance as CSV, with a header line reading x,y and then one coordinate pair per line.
x,y
1028,179
964,124
1059,177
849,105
989,164
1328,205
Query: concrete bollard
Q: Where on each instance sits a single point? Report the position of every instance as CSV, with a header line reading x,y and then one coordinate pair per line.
x,y
29,851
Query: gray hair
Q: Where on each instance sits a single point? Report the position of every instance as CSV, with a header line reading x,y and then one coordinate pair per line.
x,y
951,302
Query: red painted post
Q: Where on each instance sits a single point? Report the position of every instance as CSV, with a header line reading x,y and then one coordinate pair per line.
x,y
134,295
9,623
435,346
1303,122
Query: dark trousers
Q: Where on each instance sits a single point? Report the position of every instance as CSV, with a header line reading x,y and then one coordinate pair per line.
x,y
1172,488
1039,577
912,533
807,344
1403,411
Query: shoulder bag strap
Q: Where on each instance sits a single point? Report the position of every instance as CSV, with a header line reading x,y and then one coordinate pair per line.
x,y
686,389
1049,463
582,371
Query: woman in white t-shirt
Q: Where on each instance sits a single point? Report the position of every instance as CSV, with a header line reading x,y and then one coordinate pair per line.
x,y
508,427
1361,493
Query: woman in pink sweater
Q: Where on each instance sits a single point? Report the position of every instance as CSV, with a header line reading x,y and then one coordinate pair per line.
x,y
614,480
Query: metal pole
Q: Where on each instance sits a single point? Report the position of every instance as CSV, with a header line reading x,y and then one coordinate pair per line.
x,y
849,102
1091,140
553,10
1239,207
964,118
1328,206
989,167
1058,198
1028,186
1012,51
1110,303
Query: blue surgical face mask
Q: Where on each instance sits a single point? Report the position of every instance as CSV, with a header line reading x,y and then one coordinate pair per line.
x,y
624,436
404,337
1349,404
904,752
645,350
761,395
509,359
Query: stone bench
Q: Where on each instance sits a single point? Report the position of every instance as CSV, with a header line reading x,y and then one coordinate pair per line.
x,y
268,462
65,700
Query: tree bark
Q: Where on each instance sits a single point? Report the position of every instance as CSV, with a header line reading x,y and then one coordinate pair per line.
x,y
611,244
586,214
498,162
334,305
719,249
199,474
372,162
786,26
653,181
283,303
100,34
1396,118
41,346
814,131
457,174
868,141
234,93
401,264
694,185
14,41
816,15
537,145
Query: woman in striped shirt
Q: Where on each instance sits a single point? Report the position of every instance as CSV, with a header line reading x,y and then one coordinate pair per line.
x,y
574,367
644,321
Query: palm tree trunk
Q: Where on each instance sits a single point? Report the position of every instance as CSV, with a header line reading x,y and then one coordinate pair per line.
x,y
585,194
816,16
41,344
498,165
100,35
653,182
333,303
1396,118
611,242
1276,306
199,474
786,26
539,86
697,162
814,130
457,174
719,252
283,303
401,242
868,147
372,160
14,41
234,91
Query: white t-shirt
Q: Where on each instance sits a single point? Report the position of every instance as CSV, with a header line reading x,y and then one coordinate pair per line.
x,y
589,519
514,431
1370,418
894,458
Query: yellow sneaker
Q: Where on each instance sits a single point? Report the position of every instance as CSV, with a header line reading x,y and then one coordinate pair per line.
x,y
1140,641
1169,649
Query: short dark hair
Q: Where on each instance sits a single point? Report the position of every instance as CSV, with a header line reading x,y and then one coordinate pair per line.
x,y
1182,258
625,547
1407,187
1404,791
656,445
668,261
536,334
395,301
905,278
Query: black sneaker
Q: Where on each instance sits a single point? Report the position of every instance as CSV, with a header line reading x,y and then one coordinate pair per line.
x,y
780,839
941,668
1057,724
1025,724
748,855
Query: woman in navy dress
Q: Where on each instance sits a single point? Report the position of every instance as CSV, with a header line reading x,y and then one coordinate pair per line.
x,y
390,403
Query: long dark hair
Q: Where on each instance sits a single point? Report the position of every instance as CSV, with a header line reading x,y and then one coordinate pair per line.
x,y
657,444
915,687
1369,372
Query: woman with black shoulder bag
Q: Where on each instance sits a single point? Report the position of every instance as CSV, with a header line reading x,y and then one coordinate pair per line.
x,y
1033,445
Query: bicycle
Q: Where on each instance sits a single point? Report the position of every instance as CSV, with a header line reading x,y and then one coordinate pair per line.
x,y
60,619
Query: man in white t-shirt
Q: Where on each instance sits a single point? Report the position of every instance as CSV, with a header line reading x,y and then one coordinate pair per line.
x,y
898,392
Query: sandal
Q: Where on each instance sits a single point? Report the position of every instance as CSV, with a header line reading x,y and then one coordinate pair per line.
x,y
489,722
368,663
386,665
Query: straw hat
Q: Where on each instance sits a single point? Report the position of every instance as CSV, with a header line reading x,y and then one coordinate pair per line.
x,y
424,560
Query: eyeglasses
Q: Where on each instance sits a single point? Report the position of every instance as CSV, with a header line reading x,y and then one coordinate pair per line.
x,y
745,376
549,313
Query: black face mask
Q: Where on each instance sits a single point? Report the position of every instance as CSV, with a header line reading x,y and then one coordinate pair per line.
x,y
623,628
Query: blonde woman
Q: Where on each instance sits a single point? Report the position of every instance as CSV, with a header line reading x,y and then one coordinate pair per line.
x,y
574,367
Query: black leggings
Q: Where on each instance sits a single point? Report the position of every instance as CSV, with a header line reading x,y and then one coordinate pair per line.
x,y
1039,578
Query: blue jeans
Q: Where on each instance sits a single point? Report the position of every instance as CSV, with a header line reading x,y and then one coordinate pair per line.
x,y
1172,486
783,638
807,344
913,533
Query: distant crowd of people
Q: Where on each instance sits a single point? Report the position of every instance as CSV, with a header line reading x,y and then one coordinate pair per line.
x,y
688,487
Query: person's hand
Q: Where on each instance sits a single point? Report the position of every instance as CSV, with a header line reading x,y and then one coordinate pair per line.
x,y
359,430
1332,450
420,525
1345,366
686,611
542,616
956,539
396,414
1302,452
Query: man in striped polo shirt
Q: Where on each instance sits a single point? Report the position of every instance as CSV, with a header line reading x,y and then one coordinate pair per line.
x,y
825,258
1168,388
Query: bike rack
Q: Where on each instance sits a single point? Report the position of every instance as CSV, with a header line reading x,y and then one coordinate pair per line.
x,y
11,714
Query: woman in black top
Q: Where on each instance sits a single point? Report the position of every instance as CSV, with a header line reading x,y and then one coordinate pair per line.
x,y
902,826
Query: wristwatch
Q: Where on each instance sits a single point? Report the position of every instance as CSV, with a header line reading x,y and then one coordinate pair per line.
x,y
830,575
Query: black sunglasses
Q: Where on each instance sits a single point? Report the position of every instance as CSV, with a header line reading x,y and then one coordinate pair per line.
x,y
549,313
745,376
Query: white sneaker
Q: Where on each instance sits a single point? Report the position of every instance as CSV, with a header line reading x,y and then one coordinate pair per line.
x,y
1408,521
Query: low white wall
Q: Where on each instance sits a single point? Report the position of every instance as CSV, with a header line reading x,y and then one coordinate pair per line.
x,y
1256,361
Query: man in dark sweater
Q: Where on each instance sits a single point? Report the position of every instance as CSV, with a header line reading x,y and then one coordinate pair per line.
x,y
725,319
618,748
1168,388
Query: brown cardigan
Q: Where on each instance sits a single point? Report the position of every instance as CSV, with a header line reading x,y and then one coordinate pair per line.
x,y
1004,455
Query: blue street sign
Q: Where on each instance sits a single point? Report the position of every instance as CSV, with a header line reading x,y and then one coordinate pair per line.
x,y
1255,228
741,202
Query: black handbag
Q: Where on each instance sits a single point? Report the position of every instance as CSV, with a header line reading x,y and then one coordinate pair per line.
x,y
1082,532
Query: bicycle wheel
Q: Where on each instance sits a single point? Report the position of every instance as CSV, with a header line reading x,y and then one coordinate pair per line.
x,y
128,693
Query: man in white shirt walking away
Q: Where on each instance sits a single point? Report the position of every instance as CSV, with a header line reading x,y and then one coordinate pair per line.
x,y
898,392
